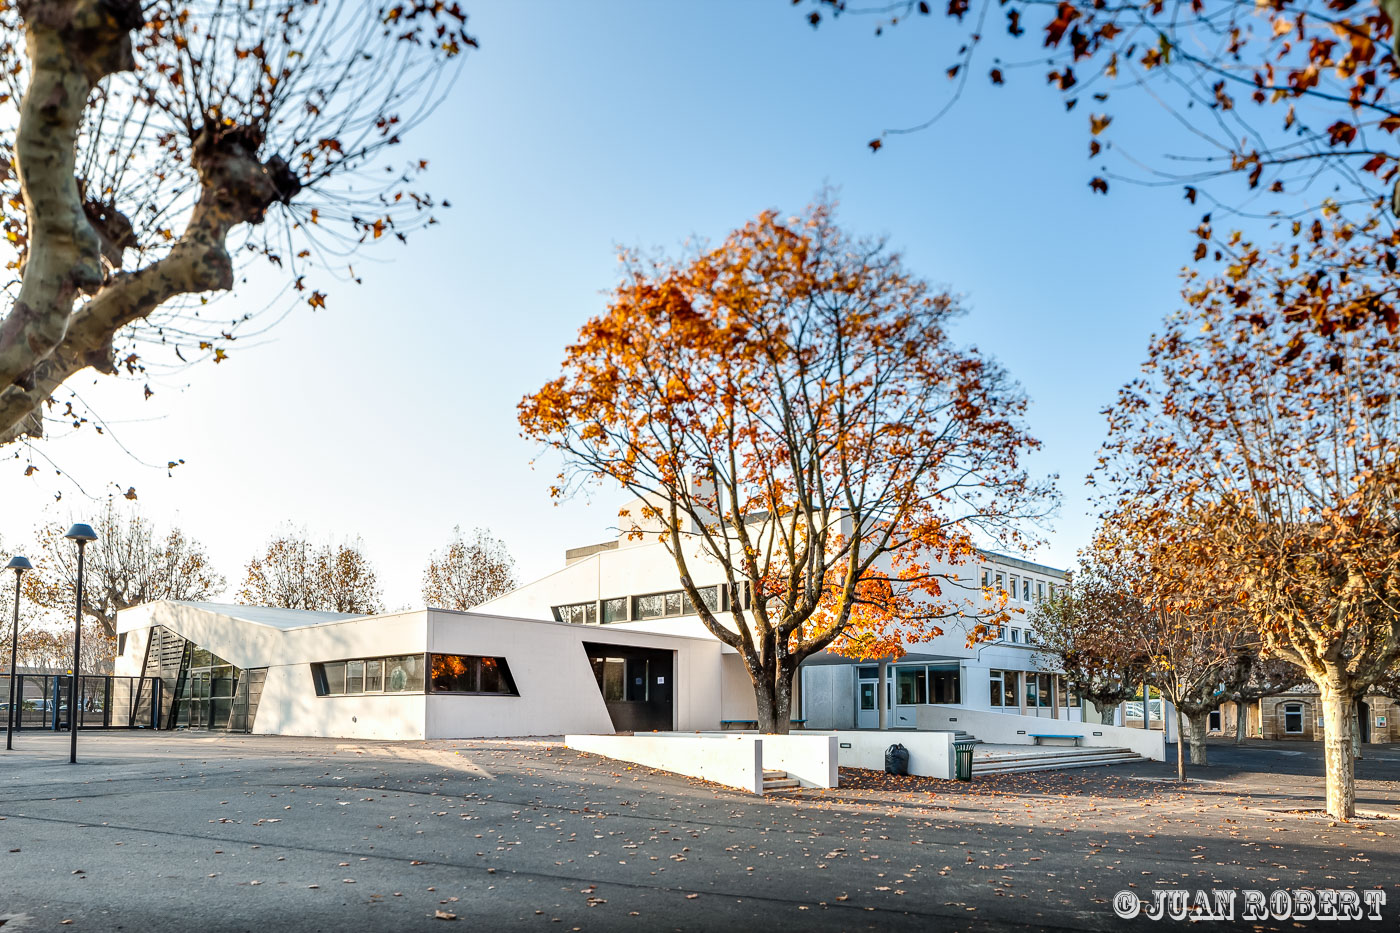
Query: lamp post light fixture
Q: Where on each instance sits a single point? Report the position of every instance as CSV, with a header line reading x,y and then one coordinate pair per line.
x,y
82,534
19,565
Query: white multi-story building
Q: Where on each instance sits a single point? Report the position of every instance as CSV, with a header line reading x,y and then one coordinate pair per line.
x,y
631,583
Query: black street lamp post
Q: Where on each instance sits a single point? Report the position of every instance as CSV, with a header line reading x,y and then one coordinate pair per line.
x,y
19,565
82,534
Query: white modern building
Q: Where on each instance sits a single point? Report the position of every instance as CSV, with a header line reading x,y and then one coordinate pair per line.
x,y
425,674
630,583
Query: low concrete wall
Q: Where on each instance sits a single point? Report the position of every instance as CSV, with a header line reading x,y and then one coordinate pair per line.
x,y
930,753
722,760
1011,729
810,758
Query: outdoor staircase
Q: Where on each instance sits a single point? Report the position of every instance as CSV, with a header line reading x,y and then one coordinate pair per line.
x,y
1044,760
778,780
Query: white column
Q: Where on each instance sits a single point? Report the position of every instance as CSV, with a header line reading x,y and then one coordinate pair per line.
x,y
882,690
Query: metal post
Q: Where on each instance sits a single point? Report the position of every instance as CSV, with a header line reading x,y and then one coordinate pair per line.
x,y
14,654
77,653
19,565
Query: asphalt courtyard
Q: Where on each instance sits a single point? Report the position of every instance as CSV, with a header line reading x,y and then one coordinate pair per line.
x,y
185,832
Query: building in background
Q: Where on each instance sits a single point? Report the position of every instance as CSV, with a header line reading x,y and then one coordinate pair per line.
x,y
630,583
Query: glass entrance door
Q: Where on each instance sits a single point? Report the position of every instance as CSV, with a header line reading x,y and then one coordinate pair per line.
x,y
867,716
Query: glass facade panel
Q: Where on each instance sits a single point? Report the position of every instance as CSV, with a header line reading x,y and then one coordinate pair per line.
x,y
334,677
461,673
615,610
403,674
354,676
610,674
374,676
651,607
911,685
1009,691
207,685
577,613
454,674
944,686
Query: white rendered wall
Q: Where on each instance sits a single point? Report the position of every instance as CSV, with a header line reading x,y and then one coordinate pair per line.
x,y
558,690
1009,729
733,764
810,758
930,753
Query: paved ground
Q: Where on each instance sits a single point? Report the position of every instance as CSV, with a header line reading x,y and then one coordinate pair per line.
x,y
191,833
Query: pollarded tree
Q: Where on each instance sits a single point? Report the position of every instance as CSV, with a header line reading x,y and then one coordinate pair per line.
x,y
1282,444
155,142
1087,630
294,573
791,408
467,573
1238,99
129,564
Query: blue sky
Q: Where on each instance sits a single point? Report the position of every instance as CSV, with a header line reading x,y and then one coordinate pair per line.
x,y
578,127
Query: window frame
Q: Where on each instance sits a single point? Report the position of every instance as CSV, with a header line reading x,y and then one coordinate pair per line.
x,y
588,608
322,683
1294,709
476,663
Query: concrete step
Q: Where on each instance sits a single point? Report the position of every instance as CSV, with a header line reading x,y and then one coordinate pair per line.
x,y
1052,762
782,784
778,780
1053,755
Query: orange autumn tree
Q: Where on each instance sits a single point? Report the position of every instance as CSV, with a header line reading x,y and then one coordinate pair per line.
x,y
791,408
1283,445
1248,109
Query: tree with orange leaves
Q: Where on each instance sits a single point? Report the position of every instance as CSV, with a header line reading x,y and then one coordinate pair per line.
x,y
791,408
1280,99
1282,446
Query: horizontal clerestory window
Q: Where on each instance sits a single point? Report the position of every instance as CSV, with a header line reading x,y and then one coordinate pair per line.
x,y
463,673
577,613
394,674
673,603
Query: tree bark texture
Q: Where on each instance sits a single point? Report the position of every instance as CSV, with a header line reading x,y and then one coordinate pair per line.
x,y
1200,723
1337,705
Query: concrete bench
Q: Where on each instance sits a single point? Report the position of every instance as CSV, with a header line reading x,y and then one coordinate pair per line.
x,y
1076,739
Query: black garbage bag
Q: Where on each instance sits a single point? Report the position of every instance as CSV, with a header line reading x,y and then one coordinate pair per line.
x,y
897,759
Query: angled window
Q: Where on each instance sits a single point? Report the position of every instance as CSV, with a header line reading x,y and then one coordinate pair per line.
x,y
577,613
464,673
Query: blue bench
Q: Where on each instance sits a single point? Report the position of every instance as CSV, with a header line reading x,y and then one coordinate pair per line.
x,y
753,723
1076,739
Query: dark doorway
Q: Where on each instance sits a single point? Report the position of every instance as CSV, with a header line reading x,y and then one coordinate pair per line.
x,y
1363,720
637,684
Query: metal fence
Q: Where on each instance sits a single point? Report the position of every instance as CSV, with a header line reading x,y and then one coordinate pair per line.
x,y
104,701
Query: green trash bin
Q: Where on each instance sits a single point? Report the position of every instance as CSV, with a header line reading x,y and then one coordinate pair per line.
x,y
962,759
